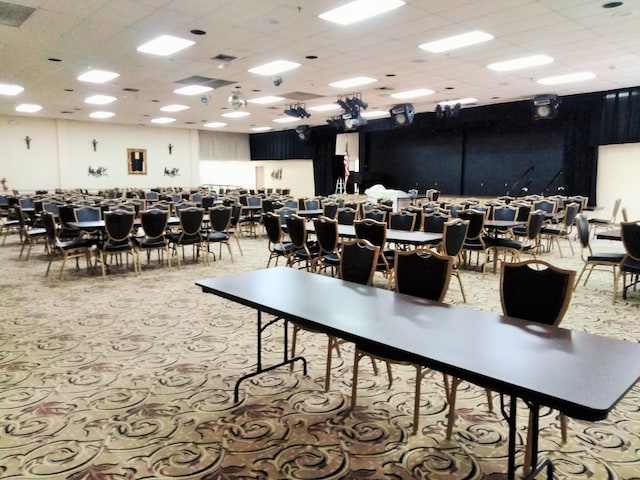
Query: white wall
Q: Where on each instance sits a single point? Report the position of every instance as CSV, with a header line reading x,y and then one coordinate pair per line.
x,y
61,152
618,176
296,175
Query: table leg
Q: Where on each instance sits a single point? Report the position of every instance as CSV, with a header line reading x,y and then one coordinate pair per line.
x,y
511,472
259,368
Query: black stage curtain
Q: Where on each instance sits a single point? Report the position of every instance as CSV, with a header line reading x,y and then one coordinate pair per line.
x,y
485,151
620,117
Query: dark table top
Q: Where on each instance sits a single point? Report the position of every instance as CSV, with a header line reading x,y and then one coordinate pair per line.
x,y
613,234
581,374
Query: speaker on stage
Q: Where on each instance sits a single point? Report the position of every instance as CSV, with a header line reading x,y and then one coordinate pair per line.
x,y
545,107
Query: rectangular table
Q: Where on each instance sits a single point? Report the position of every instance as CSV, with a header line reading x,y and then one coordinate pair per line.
x,y
580,374
393,235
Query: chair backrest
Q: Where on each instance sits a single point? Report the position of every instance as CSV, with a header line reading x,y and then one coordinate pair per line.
x,y
535,290
207,201
616,207
371,230
505,213
455,209
51,207
330,209
582,224
358,261
26,203
254,201
297,230
151,196
49,223
220,218
570,213
423,273
545,205
87,214
67,214
453,236
476,223
534,224
346,215
327,234
118,225
312,204
631,238
376,214
419,213
285,212
524,208
434,222
291,203
273,227
154,222
191,220
402,221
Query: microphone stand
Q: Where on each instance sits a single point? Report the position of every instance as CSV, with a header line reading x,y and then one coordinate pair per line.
x,y
525,188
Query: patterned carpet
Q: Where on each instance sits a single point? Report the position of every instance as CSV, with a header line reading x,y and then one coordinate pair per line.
x,y
132,378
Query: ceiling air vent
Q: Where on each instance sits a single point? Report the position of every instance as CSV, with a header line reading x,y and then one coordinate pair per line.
x,y
221,57
205,81
14,15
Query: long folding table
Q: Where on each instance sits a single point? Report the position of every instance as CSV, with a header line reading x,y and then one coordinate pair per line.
x,y
577,373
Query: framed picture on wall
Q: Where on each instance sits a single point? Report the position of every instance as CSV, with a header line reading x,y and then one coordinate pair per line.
x,y
137,161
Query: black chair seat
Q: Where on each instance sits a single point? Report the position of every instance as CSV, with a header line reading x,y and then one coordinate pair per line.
x,y
115,247
35,232
149,243
184,239
631,266
331,259
606,257
502,242
553,231
74,243
284,248
217,237
599,221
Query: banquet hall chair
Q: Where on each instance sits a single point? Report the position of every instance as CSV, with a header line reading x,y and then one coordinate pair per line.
x,y
328,245
376,233
154,227
30,235
69,248
453,235
189,233
118,228
630,266
303,251
593,261
536,291
276,245
219,222
346,215
421,273
605,223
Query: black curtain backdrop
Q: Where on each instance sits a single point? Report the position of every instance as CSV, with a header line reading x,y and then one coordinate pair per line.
x,y
486,151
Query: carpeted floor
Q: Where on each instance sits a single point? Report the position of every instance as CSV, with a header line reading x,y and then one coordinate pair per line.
x,y
132,378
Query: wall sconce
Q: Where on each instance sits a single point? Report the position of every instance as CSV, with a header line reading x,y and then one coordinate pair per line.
x,y
27,140
170,148
95,144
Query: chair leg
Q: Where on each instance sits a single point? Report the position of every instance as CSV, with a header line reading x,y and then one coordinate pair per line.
x,y
327,376
563,427
354,386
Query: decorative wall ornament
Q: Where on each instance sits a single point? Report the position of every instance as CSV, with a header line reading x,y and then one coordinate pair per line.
x,y
95,145
277,174
171,172
27,140
97,172
5,184
170,149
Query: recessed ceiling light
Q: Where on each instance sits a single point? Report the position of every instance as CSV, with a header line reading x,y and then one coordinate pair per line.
x,y
165,45
215,124
192,90
174,108
286,119
461,101
266,100
352,82
236,114
325,108
274,68
10,89
612,4
420,92
102,114
98,76
28,108
359,10
457,41
571,77
518,63
163,120
99,99
374,113
197,31
261,129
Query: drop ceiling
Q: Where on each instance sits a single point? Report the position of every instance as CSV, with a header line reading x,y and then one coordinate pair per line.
x,y
241,34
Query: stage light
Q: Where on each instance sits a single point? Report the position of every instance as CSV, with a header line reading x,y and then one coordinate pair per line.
x,y
402,114
298,111
545,107
352,104
304,132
